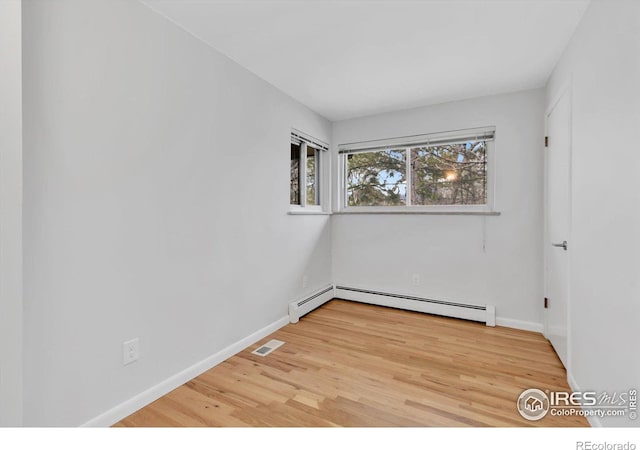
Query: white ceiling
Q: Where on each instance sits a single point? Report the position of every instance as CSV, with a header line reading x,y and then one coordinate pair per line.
x,y
347,59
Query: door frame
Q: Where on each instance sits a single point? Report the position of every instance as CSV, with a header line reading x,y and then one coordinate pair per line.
x,y
11,281
565,89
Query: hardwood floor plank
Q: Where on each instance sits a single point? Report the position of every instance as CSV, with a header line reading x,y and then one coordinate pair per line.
x,y
350,364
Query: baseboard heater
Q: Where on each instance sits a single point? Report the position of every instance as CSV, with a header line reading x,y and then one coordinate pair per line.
x,y
304,306
478,313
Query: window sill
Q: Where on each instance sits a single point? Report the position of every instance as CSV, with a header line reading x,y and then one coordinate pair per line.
x,y
308,213
432,213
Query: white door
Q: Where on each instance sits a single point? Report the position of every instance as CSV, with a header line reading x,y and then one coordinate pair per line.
x,y
558,209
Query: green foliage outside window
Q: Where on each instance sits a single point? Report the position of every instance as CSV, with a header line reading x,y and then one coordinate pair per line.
x,y
452,174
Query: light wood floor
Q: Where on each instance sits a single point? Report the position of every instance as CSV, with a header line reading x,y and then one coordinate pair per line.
x,y
349,364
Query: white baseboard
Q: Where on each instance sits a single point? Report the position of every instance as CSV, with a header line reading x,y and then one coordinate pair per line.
x,y
519,324
413,303
141,400
572,383
312,301
593,420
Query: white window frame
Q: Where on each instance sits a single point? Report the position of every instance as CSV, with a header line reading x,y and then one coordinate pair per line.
x,y
407,143
322,194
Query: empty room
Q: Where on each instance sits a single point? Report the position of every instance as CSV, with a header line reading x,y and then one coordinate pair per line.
x,y
275,214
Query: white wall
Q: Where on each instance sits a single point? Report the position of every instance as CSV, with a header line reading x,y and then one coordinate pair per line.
x,y
602,60
383,251
150,208
10,213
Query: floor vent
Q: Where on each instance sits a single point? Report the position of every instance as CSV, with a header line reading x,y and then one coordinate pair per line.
x,y
479,313
305,305
267,348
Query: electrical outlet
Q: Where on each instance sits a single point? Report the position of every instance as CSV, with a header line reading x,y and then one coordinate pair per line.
x,y
305,281
130,351
415,279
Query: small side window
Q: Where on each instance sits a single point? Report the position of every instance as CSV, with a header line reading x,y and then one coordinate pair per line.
x,y
305,185
313,172
294,197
